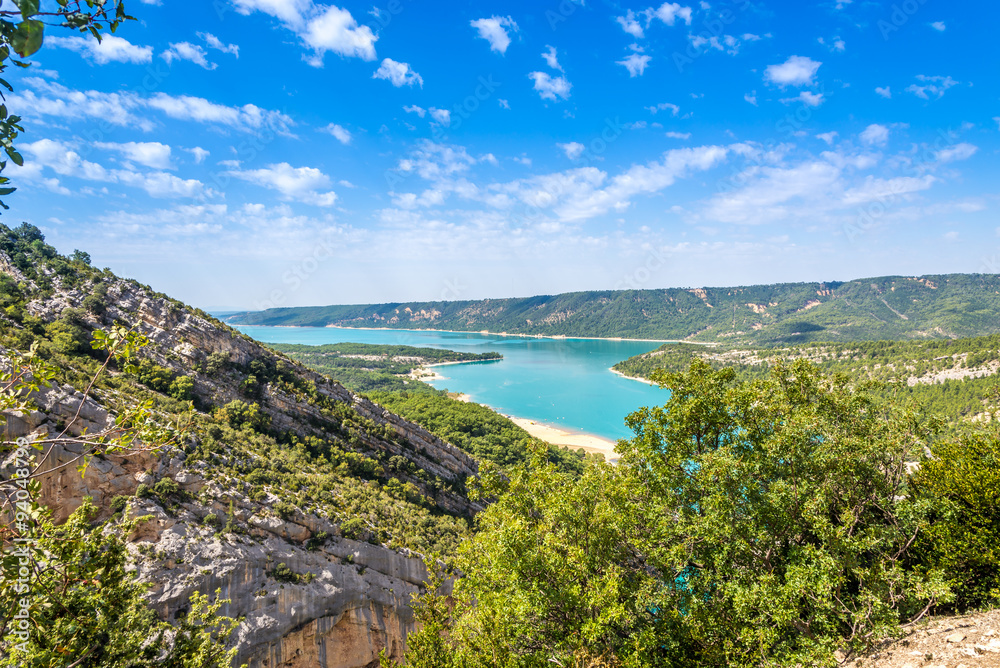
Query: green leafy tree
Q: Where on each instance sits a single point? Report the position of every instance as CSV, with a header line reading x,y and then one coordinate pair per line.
x,y
964,476
241,415
22,31
429,646
763,523
784,510
83,607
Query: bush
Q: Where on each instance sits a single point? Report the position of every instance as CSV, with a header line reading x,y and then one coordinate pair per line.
x,y
354,528
166,488
963,480
181,388
210,520
143,491
282,573
284,509
241,415
119,503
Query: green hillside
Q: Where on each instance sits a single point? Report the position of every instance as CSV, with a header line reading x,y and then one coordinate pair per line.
x,y
887,308
956,379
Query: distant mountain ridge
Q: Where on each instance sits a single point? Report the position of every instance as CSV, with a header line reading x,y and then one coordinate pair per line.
x,y
888,307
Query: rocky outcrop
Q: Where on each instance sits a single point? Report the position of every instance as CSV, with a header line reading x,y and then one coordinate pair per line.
x,y
336,602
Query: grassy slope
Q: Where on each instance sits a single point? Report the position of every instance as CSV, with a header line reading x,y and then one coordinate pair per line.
x,y
893,308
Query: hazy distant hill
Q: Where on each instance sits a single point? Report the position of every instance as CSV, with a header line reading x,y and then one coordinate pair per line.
x,y
890,307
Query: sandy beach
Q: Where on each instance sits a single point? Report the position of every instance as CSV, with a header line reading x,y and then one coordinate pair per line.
x,y
575,440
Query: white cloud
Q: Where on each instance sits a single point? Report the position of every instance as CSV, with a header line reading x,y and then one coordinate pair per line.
x,y
665,106
751,97
828,137
199,154
962,151
875,134
292,12
442,116
504,104
806,98
302,184
678,135
190,52
110,49
635,64
549,87
630,24
129,109
551,58
884,92
64,160
933,86
414,109
493,30
321,28
339,132
217,44
335,30
149,154
573,149
939,26
399,74
796,71
247,117
669,12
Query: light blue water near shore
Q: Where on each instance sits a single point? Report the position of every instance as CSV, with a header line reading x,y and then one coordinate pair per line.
x,y
560,382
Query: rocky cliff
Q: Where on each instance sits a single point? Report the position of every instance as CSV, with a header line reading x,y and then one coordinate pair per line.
x,y
309,592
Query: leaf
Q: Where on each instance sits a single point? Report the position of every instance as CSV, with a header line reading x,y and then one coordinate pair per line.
x,y
28,7
6,191
27,39
15,156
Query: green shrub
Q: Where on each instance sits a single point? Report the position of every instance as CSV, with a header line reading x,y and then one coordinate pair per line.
x,y
181,388
119,503
284,509
143,491
354,528
282,573
241,415
166,488
210,520
963,479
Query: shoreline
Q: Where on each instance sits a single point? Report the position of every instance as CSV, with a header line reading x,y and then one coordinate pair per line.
x,y
559,436
486,332
636,378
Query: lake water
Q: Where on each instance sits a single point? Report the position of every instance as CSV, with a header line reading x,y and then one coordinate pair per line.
x,y
561,382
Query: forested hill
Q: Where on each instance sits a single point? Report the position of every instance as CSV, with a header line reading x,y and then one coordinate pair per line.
x,y
890,307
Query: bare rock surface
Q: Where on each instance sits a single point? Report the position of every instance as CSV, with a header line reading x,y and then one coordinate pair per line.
x,y
972,641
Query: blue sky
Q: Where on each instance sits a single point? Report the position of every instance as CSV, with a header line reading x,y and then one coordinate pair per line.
x,y
250,153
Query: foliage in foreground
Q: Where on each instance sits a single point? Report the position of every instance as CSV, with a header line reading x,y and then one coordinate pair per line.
x,y
964,475
86,608
764,523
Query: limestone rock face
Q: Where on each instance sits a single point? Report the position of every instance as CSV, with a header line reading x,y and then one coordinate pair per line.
x,y
335,604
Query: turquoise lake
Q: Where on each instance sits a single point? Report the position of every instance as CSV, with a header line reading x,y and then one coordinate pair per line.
x,y
561,382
